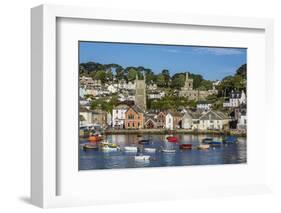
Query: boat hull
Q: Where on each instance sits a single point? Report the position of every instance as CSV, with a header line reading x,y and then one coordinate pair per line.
x,y
149,150
142,158
130,149
186,146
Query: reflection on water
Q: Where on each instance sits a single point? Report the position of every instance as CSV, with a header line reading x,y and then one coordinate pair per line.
x,y
225,154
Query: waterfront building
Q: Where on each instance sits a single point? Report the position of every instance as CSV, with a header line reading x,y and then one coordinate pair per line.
x,y
213,120
86,115
118,116
242,121
161,120
150,123
99,118
236,99
173,120
134,118
187,120
140,95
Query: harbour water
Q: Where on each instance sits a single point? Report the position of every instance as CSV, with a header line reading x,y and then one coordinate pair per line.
x,y
223,154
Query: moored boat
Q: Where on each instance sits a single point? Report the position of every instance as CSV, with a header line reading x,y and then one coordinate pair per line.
x,y
144,141
90,147
230,140
207,140
172,139
142,157
185,146
131,149
108,146
149,150
203,146
168,150
215,143
95,138
109,149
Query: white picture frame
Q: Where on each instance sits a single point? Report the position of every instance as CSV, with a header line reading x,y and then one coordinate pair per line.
x,y
44,148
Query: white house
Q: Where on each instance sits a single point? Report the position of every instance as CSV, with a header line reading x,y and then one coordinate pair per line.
x,y
236,99
112,89
203,105
169,121
242,121
156,95
187,121
213,120
118,116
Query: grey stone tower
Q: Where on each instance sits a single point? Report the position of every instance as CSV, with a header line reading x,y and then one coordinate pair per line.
x,y
140,95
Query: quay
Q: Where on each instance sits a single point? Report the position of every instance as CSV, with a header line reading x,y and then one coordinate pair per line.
x,y
176,131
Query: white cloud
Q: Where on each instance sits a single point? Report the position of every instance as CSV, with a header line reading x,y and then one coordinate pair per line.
x,y
218,51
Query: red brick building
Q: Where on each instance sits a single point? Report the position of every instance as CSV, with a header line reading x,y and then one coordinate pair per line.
x,y
134,118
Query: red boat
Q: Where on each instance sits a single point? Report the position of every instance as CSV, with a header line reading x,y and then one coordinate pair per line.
x,y
94,138
186,146
172,139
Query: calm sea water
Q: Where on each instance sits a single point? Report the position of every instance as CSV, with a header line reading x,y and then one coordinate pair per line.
x,y
225,154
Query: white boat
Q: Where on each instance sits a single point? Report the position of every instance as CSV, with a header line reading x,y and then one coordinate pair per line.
x,y
204,146
150,150
169,150
109,149
142,158
131,149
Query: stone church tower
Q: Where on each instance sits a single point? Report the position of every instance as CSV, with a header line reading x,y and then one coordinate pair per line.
x,y
140,96
188,83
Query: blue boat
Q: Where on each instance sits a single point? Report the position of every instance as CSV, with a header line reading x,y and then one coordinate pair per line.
x,y
215,143
207,140
230,140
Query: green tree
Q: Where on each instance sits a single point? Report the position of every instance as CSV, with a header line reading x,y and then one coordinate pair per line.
x,y
132,73
160,80
178,80
166,75
100,75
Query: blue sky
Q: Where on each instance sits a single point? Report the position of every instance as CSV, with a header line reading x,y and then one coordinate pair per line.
x,y
212,63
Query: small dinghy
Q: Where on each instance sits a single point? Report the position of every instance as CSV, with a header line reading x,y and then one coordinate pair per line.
x,y
142,158
109,147
185,146
149,150
144,141
131,149
90,147
203,146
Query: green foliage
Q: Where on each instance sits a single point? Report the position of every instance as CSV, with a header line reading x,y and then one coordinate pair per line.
x,y
104,104
206,85
178,80
160,80
132,73
197,79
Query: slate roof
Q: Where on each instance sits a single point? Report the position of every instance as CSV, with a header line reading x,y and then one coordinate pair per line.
x,y
214,115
